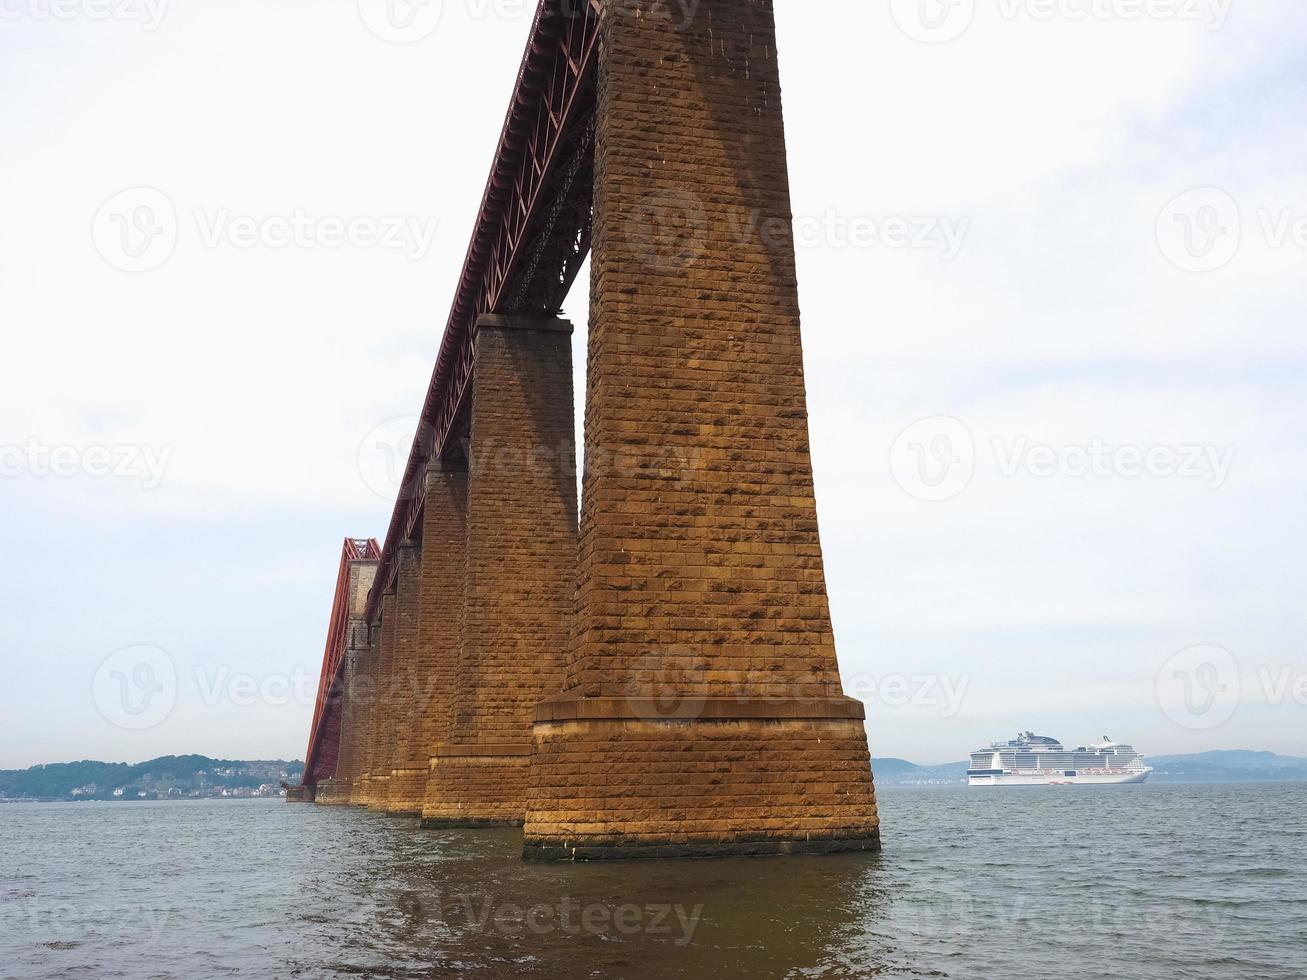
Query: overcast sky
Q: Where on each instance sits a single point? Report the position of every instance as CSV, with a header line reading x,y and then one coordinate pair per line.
x,y
1052,267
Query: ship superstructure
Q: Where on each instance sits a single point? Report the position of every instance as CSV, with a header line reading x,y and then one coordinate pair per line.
x,y
1037,760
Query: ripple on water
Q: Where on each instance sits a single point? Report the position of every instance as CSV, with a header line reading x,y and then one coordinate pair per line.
x,y
1152,883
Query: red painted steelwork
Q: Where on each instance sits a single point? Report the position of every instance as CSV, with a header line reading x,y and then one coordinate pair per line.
x,y
324,734
530,239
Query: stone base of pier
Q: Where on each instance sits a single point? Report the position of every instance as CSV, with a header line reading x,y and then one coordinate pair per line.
x,y
622,778
332,792
377,794
482,785
406,792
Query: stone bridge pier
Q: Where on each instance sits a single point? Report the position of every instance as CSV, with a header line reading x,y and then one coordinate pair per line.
x,y
519,558
653,674
702,711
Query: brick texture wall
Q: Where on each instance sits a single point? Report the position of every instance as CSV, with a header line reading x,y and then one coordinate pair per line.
x,y
519,570
381,730
360,734
700,566
408,778
338,790
351,691
444,567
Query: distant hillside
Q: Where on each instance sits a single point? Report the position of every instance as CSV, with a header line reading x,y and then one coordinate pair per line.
x,y
170,777
900,772
1227,767
1234,766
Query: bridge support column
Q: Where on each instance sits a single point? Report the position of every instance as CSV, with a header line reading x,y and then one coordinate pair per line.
x,y
381,729
338,790
365,698
702,712
520,569
355,696
408,780
444,570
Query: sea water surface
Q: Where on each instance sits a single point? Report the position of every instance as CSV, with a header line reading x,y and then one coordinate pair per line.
x,y
1153,882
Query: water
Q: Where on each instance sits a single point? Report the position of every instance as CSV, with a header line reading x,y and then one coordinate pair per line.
x,y
1150,883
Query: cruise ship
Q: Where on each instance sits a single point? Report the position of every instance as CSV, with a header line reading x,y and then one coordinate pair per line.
x,y
1036,760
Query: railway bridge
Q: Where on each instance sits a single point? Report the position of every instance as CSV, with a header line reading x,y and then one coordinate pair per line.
x,y
652,673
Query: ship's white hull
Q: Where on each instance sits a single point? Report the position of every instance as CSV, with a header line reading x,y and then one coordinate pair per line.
x,y
1060,778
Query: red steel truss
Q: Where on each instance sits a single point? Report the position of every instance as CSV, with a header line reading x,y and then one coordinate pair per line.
x,y
530,238
324,734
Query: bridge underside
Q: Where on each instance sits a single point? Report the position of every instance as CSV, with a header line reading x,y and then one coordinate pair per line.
x,y
657,675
